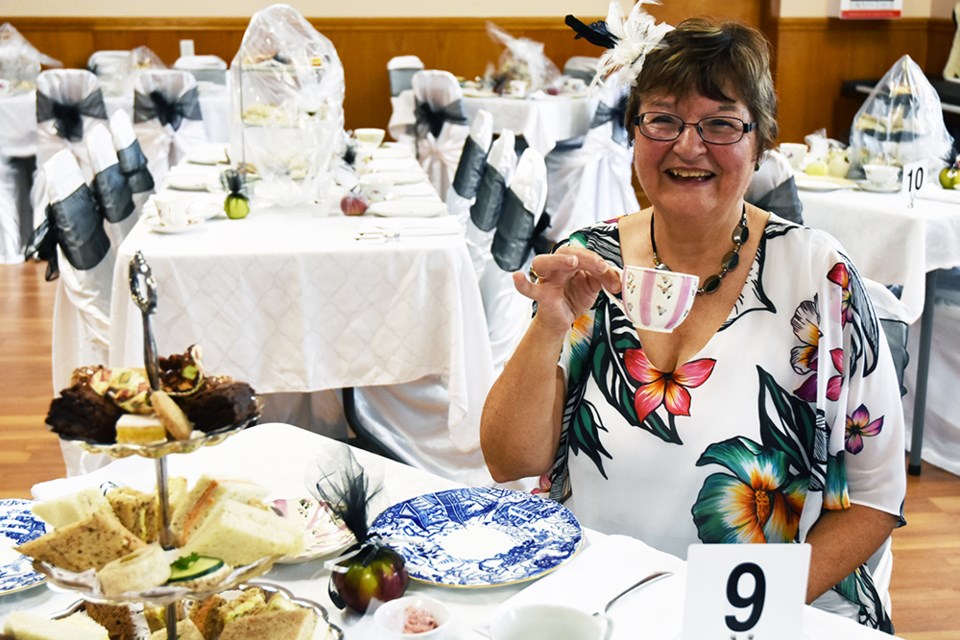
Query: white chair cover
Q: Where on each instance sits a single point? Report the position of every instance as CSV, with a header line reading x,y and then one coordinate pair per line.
x,y
81,309
401,69
11,250
501,160
114,69
439,151
583,67
68,87
111,185
463,190
774,188
165,144
508,312
592,182
206,68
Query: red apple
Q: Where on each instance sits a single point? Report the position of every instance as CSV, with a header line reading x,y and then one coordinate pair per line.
x,y
354,203
375,573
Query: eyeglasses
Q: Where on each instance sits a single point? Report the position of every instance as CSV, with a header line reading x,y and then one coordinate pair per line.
x,y
714,130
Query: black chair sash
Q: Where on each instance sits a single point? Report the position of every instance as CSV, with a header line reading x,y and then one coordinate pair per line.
x,y
157,105
473,159
68,117
615,114
783,200
42,245
75,224
133,164
516,230
114,194
432,120
485,211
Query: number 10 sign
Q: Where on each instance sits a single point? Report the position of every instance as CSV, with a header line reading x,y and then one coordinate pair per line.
x,y
745,591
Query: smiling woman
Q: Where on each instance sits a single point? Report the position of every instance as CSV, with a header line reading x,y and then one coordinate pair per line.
x,y
767,415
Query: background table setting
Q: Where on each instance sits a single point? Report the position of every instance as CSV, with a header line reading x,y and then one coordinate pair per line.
x,y
283,458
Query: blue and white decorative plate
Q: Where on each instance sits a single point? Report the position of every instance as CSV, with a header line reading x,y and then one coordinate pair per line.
x,y
18,525
479,537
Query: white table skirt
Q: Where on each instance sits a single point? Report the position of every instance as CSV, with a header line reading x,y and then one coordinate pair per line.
x,y
276,456
542,121
888,241
291,302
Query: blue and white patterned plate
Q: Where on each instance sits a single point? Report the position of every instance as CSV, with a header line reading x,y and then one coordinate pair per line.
x,y
479,537
18,525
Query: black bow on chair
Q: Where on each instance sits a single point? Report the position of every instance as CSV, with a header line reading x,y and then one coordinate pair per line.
x,y
430,119
157,105
68,117
133,165
473,159
516,235
75,224
615,114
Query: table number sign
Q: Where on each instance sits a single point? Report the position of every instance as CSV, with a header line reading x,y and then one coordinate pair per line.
x,y
871,9
912,178
745,591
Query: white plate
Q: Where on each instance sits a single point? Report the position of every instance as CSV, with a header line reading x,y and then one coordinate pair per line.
x,y
391,152
400,177
18,525
480,536
208,154
324,534
155,225
822,183
879,188
478,93
408,209
185,181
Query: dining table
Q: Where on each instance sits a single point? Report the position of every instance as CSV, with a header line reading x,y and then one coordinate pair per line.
x,y
896,239
542,119
301,298
279,457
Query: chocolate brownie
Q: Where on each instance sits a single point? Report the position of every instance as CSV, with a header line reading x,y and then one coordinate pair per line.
x,y
80,412
220,402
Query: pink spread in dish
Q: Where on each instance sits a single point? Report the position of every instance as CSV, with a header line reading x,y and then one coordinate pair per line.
x,y
417,620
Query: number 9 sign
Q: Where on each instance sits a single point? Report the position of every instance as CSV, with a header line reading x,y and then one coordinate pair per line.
x,y
745,591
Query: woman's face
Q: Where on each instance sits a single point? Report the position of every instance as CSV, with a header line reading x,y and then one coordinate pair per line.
x,y
687,176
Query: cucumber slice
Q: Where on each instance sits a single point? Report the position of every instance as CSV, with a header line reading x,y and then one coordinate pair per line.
x,y
193,567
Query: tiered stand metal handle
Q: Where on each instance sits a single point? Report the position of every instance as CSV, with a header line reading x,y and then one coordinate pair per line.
x,y
143,290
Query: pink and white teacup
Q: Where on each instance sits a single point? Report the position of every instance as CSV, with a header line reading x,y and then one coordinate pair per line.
x,y
655,299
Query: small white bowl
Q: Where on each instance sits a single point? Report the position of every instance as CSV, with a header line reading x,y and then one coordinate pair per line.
x,y
389,617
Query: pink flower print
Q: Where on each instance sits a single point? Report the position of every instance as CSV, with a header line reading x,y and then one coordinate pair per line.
x,y
840,276
666,388
860,427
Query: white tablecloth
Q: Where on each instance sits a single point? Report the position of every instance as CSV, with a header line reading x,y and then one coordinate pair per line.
x,y
291,302
542,121
276,455
888,241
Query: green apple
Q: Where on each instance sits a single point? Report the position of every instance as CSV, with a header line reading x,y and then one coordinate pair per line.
x,y
949,177
236,206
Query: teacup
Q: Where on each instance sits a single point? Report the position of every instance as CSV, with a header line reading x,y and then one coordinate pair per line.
x,y
882,175
369,137
517,88
172,212
795,153
549,622
656,299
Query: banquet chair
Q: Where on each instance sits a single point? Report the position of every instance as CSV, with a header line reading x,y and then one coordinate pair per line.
x,y
133,163
774,188
498,170
583,67
941,429
441,126
11,249
110,187
401,70
69,104
114,70
466,180
167,117
593,182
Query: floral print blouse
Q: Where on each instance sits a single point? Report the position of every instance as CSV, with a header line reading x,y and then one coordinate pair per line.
x,y
792,407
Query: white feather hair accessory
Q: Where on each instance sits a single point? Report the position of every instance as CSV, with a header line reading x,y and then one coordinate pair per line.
x,y
637,35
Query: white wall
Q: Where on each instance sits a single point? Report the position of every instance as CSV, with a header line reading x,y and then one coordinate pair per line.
x,y
311,8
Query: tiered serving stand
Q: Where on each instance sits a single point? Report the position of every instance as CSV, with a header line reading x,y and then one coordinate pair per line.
x,y
85,584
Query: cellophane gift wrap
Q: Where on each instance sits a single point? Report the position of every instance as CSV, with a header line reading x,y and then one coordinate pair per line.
x,y
20,62
900,122
287,85
521,59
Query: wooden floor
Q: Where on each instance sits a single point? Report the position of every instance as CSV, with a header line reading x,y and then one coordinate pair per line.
x,y
926,578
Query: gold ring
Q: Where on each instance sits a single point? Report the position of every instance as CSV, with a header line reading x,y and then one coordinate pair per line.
x,y
537,278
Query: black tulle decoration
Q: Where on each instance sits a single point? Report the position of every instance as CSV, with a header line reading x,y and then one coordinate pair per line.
x,y
346,488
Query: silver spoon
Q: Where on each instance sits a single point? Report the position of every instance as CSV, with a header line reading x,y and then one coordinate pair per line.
x,y
650,579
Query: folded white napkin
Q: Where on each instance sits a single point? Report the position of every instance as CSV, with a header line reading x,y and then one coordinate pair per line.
x,y
63,175
100,147
602,570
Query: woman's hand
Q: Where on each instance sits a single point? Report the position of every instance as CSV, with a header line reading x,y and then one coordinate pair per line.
x,y
566,285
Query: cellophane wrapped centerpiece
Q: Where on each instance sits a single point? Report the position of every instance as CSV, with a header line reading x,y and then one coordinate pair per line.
x,y
287,84
20,62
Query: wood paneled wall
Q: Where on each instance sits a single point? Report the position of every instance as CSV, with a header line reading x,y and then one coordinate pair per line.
x,y
812,56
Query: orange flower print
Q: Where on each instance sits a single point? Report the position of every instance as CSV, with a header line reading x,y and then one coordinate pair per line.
x,y
664,388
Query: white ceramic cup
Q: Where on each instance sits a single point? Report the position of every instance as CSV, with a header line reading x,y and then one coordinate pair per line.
x,y
795,152
517,88
657,300
369,137
549,622
882,175
172,212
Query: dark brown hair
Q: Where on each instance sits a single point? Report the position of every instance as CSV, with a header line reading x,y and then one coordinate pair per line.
x,y
707,58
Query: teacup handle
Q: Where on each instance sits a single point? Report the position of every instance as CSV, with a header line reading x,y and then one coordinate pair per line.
x,y
607,623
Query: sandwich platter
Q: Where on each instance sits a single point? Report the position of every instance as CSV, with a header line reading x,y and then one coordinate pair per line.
x,y
18,525
479,536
